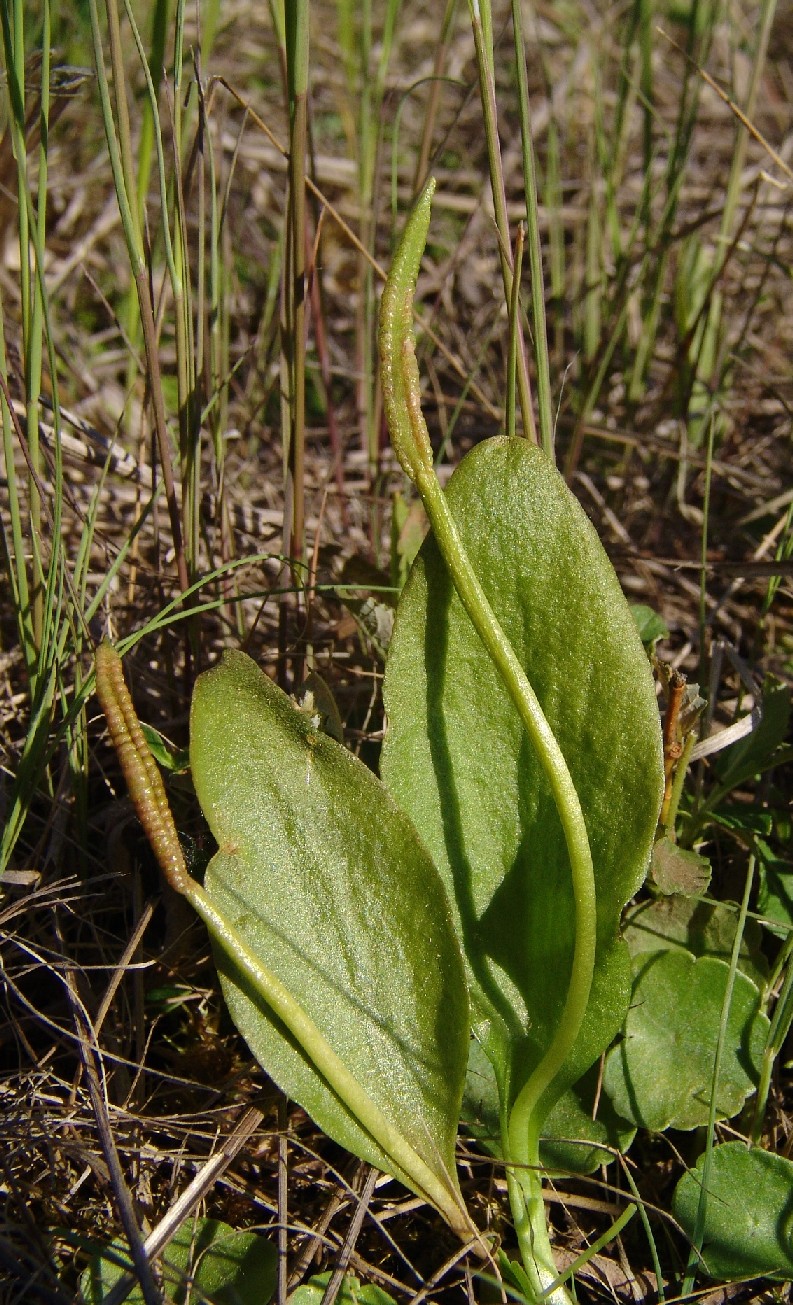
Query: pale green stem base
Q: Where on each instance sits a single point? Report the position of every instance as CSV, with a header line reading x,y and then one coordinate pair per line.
x,y
528,1212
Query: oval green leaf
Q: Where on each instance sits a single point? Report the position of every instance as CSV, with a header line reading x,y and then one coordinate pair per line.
x,y
206,1259
704,928
661,1074
326,882
748,1216
351,1292
457,759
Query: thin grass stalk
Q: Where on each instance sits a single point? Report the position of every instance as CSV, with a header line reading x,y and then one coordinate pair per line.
x,y
609,151
367,87
349,234
13,20
607,175
704,16
41,622
135,251
433,99
749,108
349,47
613,154
703,345
130,313
34,341
607,163
703,574
177,263
297,51
78,760
50,657
544,403
355,46
42,741
280,288
75,726
512,351
481,23
552,197
318,312
216,411
644,16
625,1166
779,1028
220,370
714,326
173,613
152,68
200,352
614,330
355,38
594,387
189,407
32,762
783,552
593,269
291,22
122,128
370,130
148,125
14,40
15,548
39,664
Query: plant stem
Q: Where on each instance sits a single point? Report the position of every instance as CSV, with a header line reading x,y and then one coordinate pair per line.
x,y
410,438
531,1228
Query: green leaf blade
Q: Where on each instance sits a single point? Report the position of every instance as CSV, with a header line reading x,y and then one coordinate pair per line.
x,y
327,883
661,1074
457,760
748,1212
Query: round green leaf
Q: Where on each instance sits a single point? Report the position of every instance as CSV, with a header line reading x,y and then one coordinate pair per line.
x,y
458,761
223,1265
700,927
675,869
351,1292
748,1216
661,1074
327,883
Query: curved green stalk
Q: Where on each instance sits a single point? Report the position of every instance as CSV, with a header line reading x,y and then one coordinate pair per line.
x,y
410,438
